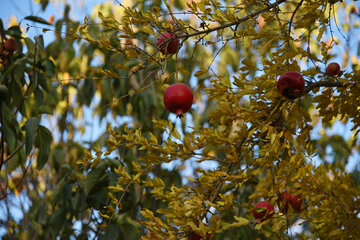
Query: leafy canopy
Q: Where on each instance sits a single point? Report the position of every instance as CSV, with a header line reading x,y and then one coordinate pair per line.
x,y
148,175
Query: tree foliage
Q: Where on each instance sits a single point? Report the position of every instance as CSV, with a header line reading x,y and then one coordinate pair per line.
x,y
148,175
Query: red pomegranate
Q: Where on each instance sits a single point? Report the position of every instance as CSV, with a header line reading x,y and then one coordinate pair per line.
x,y
178,99
333,69
11,45
167,43
283,201
263,210
196,236
286,198
291,85
296,202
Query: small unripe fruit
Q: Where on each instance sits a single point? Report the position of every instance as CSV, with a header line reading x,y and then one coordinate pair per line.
x,y
354,10
167,44
333,69
263,210
291,85
178,99
11,45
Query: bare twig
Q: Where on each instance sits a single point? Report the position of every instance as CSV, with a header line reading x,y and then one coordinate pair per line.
x,y
293,15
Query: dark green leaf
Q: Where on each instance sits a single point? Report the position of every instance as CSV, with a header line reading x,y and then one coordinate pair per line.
x,y
9,119
15,92
9,137
37,19
130,230
31,127
39,97
14,31
57,220
93,177
112,232
30,45
43,141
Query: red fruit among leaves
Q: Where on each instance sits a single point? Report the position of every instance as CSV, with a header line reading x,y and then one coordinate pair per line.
x,y
291,85
296,202
333,69
167,43
283,201
178,99
263,210
11,45
196,236
285,198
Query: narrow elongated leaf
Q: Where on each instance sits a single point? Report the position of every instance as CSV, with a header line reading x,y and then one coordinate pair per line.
x,y
94,177
37,19
43,141
31,127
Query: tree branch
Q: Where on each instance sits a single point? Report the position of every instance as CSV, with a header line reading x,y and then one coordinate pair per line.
x,y
311,86
293,15
243,19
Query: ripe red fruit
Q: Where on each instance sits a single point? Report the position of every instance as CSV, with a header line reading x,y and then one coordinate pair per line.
x,y
178,98
196,236
291,85
263,210
167,43
283,201
11,45
333,69
286,198
296,202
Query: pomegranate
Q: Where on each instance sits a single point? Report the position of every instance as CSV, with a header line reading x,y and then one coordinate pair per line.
x,y
196,236
291,85
263,210
11,45
167,43
178,99
283,201
296,202
286,198
333,69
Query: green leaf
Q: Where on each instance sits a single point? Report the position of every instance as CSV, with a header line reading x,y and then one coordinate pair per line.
x,y
43,141
94,177
37,19
57,220
9,119
31,127
30,45
9,136
112,232
130,230
14,31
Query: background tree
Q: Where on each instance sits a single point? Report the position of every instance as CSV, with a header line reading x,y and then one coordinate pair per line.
x,y
148,175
